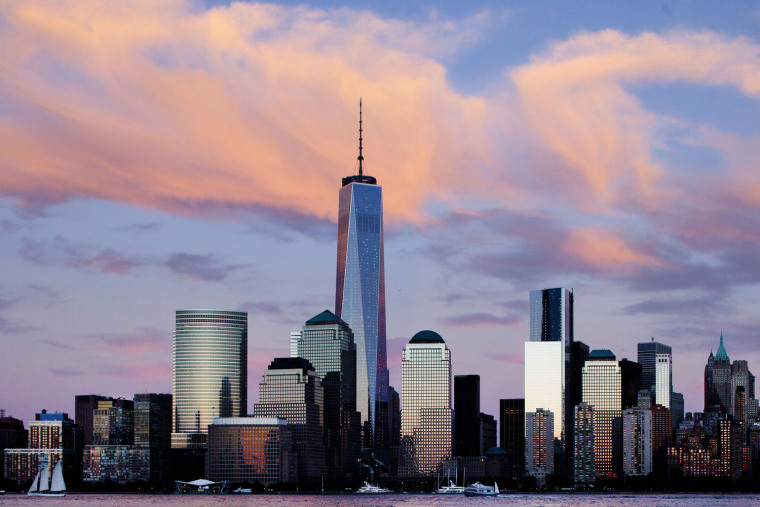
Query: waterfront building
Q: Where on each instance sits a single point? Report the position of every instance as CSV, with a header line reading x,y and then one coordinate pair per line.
x,y
584,469
512,433
291,390
152,431
328,344
602,389
116,463
539,444
548,366
467,415
427,440
12,436
247,450
360,295
663,376
210,372
637,441
662,435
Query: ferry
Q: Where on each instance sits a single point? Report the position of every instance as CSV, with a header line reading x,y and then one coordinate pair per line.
x,y
369,489
479,489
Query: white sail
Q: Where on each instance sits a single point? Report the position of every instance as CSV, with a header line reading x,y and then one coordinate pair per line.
x,y
45,479
35,483
57,484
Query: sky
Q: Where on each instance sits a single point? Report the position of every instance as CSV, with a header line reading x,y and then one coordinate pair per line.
x,y
181,154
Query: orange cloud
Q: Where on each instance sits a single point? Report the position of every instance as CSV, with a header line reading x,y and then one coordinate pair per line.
x,y
605,251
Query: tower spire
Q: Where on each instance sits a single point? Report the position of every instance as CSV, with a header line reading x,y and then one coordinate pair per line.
x,y
361,157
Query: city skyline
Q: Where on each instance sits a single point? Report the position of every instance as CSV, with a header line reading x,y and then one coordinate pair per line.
x,y
194,160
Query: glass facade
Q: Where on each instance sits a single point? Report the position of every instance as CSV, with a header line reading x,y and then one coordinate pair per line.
x,y
291,390
328,344
210,364
467,415
647,352
663,376
551,320
360,299
512,429
245,450
544,374
426,414
153,429
602,389
117,463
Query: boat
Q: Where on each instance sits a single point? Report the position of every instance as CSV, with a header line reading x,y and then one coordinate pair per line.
x,y
369,489
452,488
44,485
479,489
243,491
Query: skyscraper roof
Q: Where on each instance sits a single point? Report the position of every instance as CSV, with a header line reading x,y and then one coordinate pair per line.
x,y
326,317
601,355
721,354
426,337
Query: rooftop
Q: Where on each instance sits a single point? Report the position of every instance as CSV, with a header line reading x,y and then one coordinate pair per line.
x,y
326,317
601,355
426,336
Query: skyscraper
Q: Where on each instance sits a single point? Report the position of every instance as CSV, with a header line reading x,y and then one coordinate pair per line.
x,y
647,358
210,373
663,374
426,416
360,295
153,429
291,389
328,344
584,468
512,433
602,389
539,444
718,378
549,379
637,441
467,415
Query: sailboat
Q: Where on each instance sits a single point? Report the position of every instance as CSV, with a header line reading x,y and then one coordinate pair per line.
x,y
44,486
452,488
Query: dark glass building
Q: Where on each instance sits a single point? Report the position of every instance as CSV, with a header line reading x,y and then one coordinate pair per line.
x,y
84,405
512,432
153,431
328,344
292,390
630,383
647,358
360,296
467,415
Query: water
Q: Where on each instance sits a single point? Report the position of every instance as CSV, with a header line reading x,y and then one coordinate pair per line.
x,y
391,500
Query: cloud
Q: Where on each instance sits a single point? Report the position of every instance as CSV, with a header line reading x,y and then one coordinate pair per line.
x,y
59,345
200,267
67,372
61,251
481,320
140,341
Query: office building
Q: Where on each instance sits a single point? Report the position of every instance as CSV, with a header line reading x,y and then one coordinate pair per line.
x,y
427,440
116,463
647,358
584,468
718,380
153,430
630,383
551,340
677,408
487,432
328,344
291,390
663,375
741,377
112,422
210,372
662,437
12,436
467,415
512,433
84,406
539,444
637,441
602,389
248,450
360,295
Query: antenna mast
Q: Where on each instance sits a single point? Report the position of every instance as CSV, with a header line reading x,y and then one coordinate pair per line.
x,y
361,157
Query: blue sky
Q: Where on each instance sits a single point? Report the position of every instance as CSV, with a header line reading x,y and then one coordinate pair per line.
x,y
188,155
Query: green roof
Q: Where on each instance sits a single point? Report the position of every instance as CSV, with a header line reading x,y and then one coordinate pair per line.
x,y
721,354
326,317
426,336
601,355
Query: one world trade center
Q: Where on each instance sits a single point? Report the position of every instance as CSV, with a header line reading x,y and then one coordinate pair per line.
x,y
360,295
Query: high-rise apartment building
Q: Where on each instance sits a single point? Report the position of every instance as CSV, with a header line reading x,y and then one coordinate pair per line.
x,y
210,372
548,365
584,468
539,444
360,295
467,415
602,389
328,344
637,441
427,419
291,390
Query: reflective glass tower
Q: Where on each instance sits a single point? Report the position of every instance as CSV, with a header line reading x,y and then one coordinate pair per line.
x,y
210,365
360,295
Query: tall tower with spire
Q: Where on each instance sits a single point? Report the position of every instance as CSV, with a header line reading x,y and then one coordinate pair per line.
x,y
718,378
360,294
